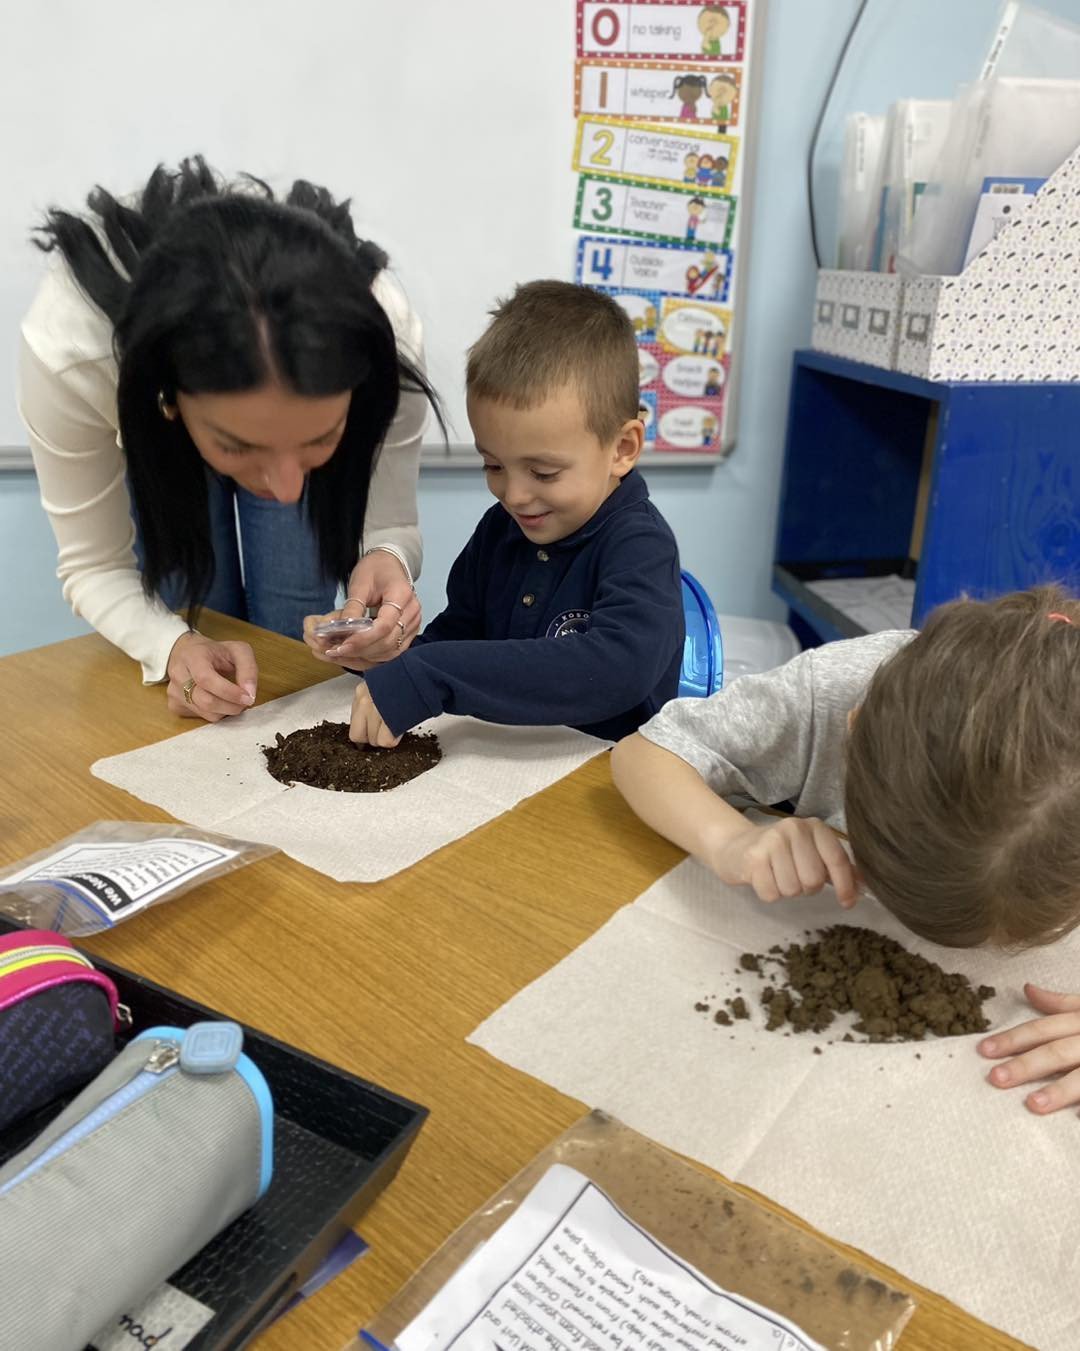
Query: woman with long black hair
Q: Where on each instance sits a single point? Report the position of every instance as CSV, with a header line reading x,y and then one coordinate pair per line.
x,y
225,398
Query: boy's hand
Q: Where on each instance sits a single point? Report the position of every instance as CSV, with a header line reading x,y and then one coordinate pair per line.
x,y
1043,1047
794,857
367,727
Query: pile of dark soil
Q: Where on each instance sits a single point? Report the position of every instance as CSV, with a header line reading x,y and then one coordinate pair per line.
x,y
895,994
324,757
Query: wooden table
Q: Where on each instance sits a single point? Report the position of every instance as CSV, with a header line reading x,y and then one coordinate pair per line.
x,y
386,980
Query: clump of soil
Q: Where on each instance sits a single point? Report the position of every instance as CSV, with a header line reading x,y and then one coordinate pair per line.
x,y
895,994
324,757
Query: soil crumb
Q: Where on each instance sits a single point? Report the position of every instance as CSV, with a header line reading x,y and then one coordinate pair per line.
x,y
894,994
324,757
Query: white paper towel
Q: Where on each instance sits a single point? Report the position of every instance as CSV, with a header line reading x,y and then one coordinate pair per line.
x,y
216,777
917,1161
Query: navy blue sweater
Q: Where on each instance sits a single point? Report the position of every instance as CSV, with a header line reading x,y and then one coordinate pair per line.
x,y
587,631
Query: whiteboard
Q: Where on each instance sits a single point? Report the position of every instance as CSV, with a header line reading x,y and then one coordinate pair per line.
x,y
448,122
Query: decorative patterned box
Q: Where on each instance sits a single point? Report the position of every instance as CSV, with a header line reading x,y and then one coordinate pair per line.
x,y
857,314
1014,312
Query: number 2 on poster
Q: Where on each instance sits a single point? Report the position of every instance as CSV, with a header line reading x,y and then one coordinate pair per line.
x,y
602,141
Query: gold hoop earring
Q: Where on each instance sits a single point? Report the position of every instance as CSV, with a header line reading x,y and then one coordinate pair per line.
x,y
168,411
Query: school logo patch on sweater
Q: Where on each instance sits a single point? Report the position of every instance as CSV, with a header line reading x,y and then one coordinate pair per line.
x,y
570,621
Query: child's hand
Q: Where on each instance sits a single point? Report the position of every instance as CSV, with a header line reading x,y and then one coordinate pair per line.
x,y
1043,1047
794,857
367,727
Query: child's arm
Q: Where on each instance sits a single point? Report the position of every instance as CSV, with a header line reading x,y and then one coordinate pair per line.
x,y
793,857
463,617
634,633
1043,1048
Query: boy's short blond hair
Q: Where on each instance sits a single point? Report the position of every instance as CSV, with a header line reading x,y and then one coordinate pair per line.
x,y
550,335
963,773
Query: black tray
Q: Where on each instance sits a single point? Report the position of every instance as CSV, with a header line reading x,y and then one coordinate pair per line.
x,y
337,1142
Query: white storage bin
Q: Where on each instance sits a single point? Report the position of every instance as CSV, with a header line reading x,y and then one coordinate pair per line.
x,y
754,645
857,315
1014,312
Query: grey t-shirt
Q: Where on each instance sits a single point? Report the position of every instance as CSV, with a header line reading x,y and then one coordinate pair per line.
x,y
779,736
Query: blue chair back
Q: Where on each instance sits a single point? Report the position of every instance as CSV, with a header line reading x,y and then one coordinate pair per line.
x,y
703,653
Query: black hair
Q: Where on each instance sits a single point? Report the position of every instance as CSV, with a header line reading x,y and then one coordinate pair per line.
x,y
216,287
698,81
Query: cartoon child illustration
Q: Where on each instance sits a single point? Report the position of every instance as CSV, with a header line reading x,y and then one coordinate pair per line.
x,y
695,214
709,428
713,381
690,168
705,171
650,316
719,173
689,88
722,90
699,339
693,280
713,24
708,278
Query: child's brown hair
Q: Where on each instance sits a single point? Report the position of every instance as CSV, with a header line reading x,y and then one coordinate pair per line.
x,y
963,773
552,334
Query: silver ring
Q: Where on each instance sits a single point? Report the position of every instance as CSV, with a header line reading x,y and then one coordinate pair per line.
x,y
399,608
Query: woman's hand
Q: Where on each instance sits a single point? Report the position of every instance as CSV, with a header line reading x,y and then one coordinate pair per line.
x,y
377,582
226,678
1042,1048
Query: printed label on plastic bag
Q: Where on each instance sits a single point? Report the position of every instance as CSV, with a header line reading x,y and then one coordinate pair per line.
x,y
568,1268
119,878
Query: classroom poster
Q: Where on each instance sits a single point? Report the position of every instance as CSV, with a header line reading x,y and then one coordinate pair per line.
x,y
653,212
682,29
658,91
659,86
667,156
683,364
671,269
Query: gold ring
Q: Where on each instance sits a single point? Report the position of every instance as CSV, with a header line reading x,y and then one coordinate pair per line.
x,y
399,608
189,687
401,626
401,640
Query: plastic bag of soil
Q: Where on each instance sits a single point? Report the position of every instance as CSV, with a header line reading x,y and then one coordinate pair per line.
x,y
111,870
755,1279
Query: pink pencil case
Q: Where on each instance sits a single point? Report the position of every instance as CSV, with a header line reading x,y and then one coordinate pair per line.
x,y
58,1021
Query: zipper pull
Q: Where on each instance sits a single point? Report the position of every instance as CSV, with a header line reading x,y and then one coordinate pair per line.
x,y
163,1057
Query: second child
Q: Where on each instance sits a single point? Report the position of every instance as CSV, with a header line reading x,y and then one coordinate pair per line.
x,y
565,606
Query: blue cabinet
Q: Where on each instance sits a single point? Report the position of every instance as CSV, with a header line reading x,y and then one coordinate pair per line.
x,y
970,488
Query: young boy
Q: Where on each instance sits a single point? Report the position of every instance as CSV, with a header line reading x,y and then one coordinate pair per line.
x,y
565,606
951,757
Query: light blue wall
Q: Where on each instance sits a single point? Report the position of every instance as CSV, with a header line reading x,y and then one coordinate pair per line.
x,y
722,517
32,610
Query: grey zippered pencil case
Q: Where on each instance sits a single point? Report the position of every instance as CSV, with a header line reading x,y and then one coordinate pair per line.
x,y
168,1145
